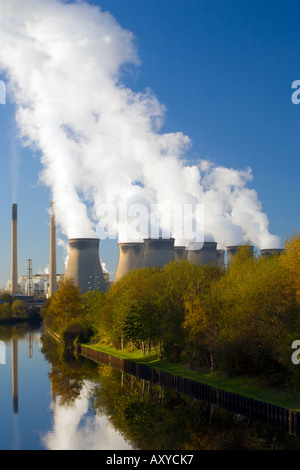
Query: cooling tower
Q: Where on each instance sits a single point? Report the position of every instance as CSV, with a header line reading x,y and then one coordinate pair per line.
x,y
52,276
158,252
131,256
84,267
221,258
14,250
231,251
180,253
207,254
269,252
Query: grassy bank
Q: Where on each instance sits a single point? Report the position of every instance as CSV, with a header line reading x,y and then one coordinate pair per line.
x,y
246,386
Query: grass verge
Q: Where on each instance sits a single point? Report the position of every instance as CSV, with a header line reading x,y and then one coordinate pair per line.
x,y
246,386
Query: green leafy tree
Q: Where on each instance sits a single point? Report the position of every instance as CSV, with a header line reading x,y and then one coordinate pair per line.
x,y
19,309
93,311
201,318
290,261
255,316
65,307
135,306
5,311
186,290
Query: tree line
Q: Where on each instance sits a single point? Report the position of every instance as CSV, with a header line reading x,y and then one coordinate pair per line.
x,y
16,310
140,410
242,320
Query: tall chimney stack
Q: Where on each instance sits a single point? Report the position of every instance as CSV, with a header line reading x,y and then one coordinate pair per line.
x,y
14,250
52,275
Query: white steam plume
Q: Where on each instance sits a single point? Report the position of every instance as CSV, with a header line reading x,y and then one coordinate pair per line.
x,y
99,141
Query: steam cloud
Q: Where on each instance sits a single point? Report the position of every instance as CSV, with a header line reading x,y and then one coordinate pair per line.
x,y
101,142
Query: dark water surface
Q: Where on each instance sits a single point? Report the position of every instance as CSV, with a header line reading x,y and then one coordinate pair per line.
x,y
52,402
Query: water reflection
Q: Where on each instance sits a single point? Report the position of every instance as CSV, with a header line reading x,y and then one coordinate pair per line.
x,y
58,402
74,427
148,416
14,362
30,337
38,413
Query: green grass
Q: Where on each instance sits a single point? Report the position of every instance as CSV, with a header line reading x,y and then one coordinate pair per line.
x,y
246,386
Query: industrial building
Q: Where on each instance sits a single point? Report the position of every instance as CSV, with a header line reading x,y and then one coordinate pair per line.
x,y
84,265
36,285
158,252
131,256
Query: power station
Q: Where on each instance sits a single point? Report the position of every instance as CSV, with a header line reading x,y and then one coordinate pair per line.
x,y
14,251
232,251
180,253
205,255
221,258
158,252
267,252
84,267
131,256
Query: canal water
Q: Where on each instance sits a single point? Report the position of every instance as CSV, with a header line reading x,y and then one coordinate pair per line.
x,y
52,402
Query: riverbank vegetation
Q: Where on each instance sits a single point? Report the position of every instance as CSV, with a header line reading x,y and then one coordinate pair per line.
x,y
171,420
12,310
241,321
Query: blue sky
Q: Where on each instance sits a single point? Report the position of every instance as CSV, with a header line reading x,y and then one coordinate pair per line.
x,y
224,71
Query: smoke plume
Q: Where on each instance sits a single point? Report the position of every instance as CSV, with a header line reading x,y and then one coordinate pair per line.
x,y
100,142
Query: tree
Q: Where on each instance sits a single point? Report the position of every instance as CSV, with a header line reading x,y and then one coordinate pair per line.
x,y
19,309
200,323
5,311
93,307
255,316
65,306
135,304
290,261
7,297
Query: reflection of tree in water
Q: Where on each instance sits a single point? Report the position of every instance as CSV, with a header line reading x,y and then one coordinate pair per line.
x,y
150,417
68,374
18,330
67,385
153,418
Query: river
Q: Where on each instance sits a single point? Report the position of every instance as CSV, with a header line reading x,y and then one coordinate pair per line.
x,y
53,402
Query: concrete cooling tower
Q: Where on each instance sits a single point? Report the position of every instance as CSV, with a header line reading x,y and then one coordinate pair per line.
x,y
158,252
231,252
221,258
269,252
180,253
131,256
207,254
84,267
